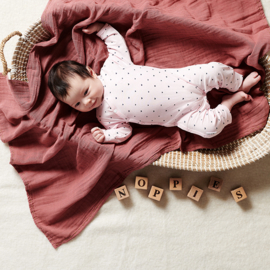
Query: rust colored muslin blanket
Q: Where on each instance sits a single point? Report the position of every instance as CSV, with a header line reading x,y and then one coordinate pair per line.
x,y
67,175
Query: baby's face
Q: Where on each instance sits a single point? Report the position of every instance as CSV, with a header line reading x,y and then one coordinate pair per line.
x,y
84,95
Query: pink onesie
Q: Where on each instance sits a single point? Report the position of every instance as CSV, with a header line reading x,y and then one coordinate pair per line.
x,y
153,96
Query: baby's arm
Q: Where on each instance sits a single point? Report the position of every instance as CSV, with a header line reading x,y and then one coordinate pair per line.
x,y
115,43
116,134
94,27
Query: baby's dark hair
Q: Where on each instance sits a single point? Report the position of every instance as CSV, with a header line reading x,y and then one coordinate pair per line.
x,y
61,72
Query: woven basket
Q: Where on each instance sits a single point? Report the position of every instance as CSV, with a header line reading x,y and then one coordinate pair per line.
x,y
233,155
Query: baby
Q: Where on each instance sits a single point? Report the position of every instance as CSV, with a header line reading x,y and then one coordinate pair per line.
x,y
125,93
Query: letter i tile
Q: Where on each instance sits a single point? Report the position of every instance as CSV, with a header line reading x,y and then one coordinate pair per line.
x,y
195,193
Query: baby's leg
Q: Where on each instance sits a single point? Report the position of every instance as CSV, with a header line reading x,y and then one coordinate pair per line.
x,y
230,100
210,122
212,75
207,123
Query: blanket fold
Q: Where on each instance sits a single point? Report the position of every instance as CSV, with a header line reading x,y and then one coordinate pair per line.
x,y
67,175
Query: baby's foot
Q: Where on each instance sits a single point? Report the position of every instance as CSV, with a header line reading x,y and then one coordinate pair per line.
x,y
230,100
252,79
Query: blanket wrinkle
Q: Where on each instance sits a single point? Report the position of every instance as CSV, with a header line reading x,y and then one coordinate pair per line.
x,y
199,10
68,176
9,98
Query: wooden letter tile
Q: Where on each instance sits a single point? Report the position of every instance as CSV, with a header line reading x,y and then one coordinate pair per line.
x,y
239,194
175,183
195,193
155,193
141,182
121,193
215,183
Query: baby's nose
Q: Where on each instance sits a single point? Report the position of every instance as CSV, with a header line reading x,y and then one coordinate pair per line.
x,y
87,101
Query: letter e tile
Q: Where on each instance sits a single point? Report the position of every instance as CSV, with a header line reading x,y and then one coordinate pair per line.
x,y
215,183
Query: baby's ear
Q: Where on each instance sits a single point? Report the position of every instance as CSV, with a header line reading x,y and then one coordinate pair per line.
x,y
92,72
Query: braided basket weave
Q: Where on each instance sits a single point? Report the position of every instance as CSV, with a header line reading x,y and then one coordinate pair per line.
x,y
233,155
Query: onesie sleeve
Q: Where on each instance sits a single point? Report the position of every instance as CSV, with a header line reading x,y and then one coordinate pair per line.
x,y
115,43
117,133
115,129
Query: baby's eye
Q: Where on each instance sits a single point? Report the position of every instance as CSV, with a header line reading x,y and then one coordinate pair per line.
x,y
85,93
77,104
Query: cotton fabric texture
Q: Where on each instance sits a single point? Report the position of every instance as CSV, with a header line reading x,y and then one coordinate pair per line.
x,y
67,175
154,96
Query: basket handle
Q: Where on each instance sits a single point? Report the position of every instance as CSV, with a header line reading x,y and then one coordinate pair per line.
x,y
4,62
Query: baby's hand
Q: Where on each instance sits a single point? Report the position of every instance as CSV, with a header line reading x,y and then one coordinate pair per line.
x,y
98,134
94,27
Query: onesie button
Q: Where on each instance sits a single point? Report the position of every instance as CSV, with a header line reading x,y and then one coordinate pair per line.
x,y
115,111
